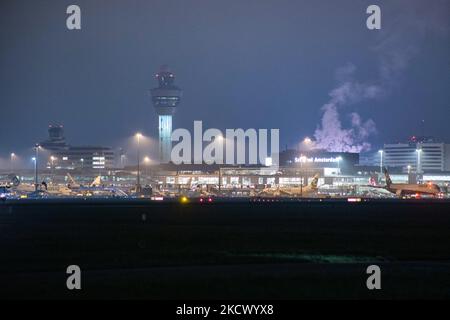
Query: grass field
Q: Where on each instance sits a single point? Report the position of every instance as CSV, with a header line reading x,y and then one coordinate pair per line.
x,y
275,250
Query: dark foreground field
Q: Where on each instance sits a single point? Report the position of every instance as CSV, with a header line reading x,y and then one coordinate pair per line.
x,y
275,250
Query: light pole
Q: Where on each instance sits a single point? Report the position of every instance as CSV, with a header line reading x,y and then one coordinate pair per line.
x,y
381,161
221,140
13,156
82,164
52,162
138,178
146,161
302,159
419,164
122,160
35,172
339,159
36,160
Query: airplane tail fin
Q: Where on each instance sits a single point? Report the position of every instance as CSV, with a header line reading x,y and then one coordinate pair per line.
x,y
315,182
387,176
71,180
97,182
14,180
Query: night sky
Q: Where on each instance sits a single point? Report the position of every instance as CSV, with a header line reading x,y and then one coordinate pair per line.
x,y
241,64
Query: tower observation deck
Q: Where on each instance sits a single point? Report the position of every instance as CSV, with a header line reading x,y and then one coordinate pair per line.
x,y
165,98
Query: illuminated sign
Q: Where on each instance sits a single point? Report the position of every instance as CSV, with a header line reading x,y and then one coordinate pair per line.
x,y
304,159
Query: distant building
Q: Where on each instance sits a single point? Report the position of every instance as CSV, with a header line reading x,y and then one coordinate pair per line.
x,y
56,140
65,156
421,155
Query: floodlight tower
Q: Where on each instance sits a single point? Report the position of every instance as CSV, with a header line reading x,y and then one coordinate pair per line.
x,y
166,98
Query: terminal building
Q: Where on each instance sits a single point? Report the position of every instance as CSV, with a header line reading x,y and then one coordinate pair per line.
x,y
419,154
65,156
324,162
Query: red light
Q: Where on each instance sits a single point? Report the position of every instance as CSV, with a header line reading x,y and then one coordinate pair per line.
x,y
201,199
209,200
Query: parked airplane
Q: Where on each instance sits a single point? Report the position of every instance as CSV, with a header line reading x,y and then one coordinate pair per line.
x,y
95,187
401,189
13,182
75,185
306,191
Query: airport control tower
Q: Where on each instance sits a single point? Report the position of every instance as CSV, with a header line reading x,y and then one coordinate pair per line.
x,y
165,100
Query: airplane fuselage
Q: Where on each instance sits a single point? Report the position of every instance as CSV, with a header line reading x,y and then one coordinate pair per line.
x,y
404,188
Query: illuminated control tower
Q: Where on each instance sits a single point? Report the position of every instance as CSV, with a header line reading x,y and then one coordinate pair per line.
x,y
165,100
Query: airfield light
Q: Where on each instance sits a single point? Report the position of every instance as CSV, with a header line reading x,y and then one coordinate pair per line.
x,y
184,200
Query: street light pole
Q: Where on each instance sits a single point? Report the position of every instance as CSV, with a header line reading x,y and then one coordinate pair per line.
x,y
301,179
381,161
36,149
419,164
220,180
381,164
13,155
52,166
146,161
138,178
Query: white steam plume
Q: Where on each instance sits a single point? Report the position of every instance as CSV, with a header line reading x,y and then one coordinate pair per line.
x,y
331,135
398,43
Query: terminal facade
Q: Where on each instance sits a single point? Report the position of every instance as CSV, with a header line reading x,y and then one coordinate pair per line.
x,y
421,155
